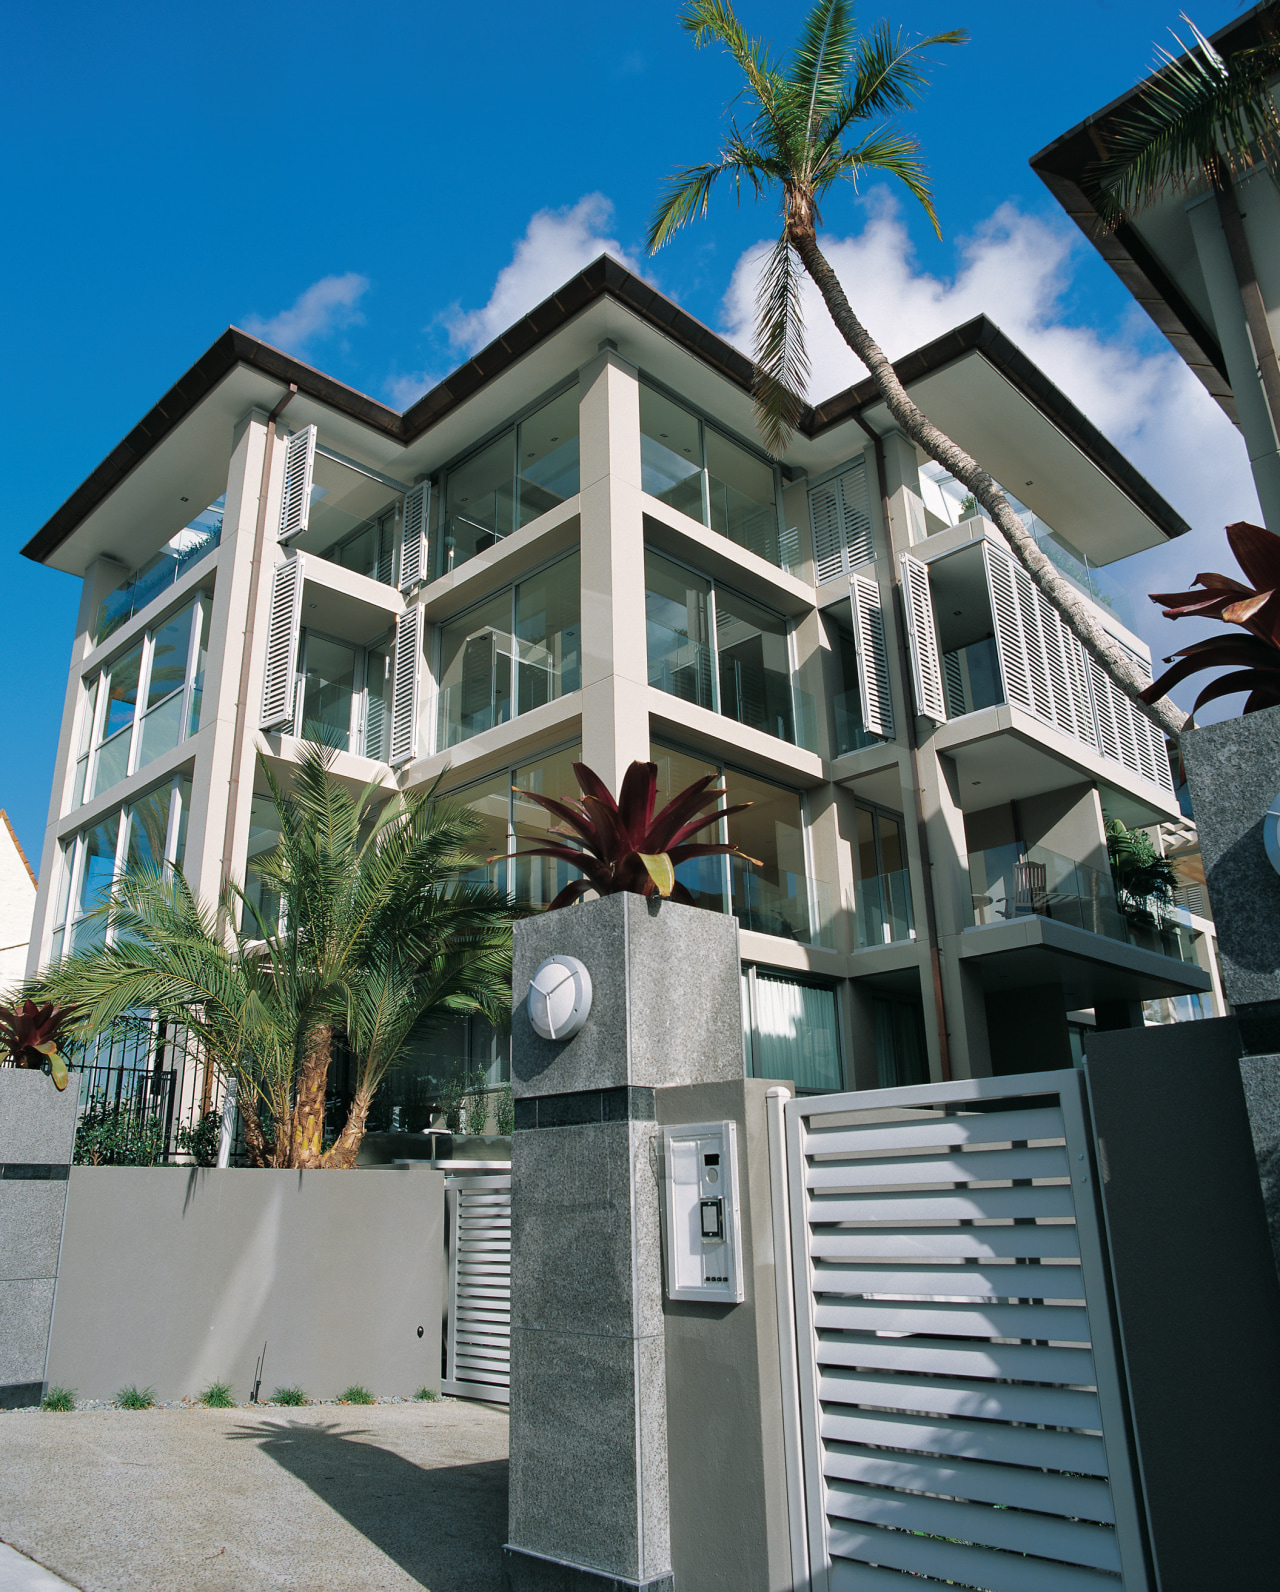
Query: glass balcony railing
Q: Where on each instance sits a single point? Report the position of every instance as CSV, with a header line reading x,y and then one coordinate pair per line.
x,y
850,734
752,525
882,910
791,906
1015,881
680,667
159,573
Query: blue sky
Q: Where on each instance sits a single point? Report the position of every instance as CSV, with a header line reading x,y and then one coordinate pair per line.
x,y
378,189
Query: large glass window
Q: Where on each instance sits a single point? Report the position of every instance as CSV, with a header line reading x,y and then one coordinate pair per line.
x,y
882,889
772,894
510,654
512,822
353,515
703,473
144,836
510,482
848,731
901,1054
790,1030
343,695
709,645
143,703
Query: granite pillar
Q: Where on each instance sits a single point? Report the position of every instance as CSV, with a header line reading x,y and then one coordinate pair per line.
x,y
37,1136
589,1506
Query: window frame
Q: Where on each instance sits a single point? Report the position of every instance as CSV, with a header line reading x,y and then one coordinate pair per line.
x,y
750,1059
96,696
358,729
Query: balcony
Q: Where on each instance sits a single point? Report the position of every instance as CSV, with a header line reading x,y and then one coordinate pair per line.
x,y
158,574
1011,882
882,910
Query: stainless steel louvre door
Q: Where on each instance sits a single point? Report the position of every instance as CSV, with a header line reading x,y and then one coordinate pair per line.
x,y
413,542
873,658
295,496
282,643
404,686
922,638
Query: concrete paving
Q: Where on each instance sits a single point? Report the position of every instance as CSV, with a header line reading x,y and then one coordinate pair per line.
x,y
383,1498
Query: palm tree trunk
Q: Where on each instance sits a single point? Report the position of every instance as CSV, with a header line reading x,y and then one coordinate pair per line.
x,y
308,1112
255,1141
1255,311
342,1154
1058,591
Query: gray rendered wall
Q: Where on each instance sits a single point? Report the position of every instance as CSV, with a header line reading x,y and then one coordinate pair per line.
x,y
37,1135
1233,769
175,1277
724,1391
1197,1298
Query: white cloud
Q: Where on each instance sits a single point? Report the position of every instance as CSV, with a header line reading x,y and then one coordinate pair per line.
x,y
324,307
556,245
1017,270
404,391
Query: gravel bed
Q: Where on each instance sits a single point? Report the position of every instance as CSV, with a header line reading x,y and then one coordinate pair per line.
x,y
244,1404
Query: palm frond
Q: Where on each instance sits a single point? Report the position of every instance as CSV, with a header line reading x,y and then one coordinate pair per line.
x,y
782,361
1201,120
821,63
687,192
713,21
884,150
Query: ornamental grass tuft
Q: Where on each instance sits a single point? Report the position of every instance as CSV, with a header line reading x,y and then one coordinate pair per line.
x,y
356,1394
59,1398
136,1398
289,1395
428,1395
218,1396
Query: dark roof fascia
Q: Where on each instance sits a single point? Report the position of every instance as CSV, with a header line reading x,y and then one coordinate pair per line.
x,y
603,277
983,336
1065,168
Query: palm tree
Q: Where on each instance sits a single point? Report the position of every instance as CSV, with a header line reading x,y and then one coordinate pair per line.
x,y
377,937
1200,123
807,132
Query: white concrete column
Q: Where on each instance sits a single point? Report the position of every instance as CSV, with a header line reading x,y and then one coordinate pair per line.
x,y
1256,422
615,665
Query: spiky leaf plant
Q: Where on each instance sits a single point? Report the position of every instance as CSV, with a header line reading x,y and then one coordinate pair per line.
x,y
31,1034
1254,659
623,847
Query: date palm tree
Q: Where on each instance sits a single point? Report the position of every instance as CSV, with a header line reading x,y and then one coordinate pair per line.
x,y
378,936
809,129
1203,121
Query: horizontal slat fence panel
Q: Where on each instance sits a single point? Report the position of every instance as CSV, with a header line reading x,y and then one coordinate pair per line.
x,y
478,1339
960,1409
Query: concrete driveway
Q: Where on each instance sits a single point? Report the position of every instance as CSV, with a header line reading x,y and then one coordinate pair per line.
x,y
387,1496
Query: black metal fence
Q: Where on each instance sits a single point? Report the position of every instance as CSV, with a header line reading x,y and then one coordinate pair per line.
x,y
145,1096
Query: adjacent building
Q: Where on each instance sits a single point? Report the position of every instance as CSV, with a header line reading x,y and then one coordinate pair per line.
x,y
1177,260
574,547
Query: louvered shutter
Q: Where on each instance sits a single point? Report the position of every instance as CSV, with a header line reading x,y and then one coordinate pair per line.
x,y
1104,713
295,497
404,686
1011,649
1034,640
840,513
953,681
283,624
922,639
1055,633
873,658
1078,676
413,539
824,515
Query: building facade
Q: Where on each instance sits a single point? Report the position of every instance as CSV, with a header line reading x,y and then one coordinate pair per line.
x,y
573,548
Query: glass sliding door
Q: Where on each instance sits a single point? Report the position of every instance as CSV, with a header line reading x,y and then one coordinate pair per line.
x,y
753,659
741,496
548,635
702,877
538,880
678,630
475,671
882,889
671,454
772,898
328,704
547,457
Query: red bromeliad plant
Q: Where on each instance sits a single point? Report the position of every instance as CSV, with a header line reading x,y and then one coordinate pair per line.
x,y
623,846
1254,660
31,1034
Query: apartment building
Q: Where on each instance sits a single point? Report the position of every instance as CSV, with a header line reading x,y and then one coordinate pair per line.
x,y
574,547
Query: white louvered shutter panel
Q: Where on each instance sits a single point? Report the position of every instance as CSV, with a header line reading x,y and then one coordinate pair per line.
x,y
1010,647
1124,726
1054,631
1081,696
1104,713
824,516
922,639
295,497
404,686
413,540
283,624
1037,653
873,658
953,681
856,504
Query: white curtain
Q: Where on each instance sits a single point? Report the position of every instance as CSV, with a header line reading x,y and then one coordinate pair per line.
x,y
795,1032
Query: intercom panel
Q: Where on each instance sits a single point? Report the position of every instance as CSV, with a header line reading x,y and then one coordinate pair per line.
x,y
704,1227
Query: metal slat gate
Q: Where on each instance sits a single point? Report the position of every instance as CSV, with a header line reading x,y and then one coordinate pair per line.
x,y
478,1331
960,1408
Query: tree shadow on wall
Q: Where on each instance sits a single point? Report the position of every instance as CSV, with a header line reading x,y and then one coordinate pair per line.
x,y
444,1527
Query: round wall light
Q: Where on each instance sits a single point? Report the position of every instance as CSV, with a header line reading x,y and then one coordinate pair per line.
x,y
559,999
1271,834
